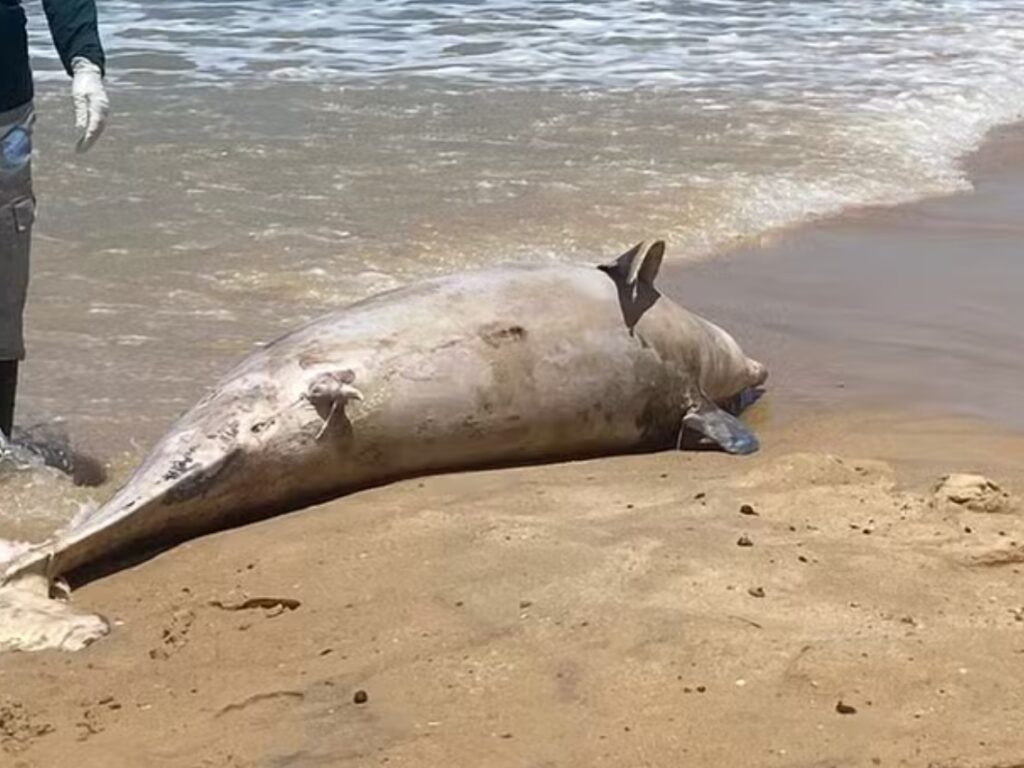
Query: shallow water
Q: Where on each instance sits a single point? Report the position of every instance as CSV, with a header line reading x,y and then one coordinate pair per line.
x,y
268,160
915,307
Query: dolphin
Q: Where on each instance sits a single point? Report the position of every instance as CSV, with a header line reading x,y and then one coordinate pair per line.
x,y
508,365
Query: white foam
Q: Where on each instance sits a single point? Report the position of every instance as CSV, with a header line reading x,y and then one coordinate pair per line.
x,y
783,45
31,621
10,551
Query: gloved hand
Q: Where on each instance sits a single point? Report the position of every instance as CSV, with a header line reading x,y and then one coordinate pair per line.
x,y
91,102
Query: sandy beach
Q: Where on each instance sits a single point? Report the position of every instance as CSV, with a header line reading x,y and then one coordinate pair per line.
x,y
818,604
626,611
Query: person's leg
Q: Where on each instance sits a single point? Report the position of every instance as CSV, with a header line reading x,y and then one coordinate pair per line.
x,y
17,212
8,390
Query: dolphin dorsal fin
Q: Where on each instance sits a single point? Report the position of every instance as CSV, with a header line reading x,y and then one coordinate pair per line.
x,y
640,264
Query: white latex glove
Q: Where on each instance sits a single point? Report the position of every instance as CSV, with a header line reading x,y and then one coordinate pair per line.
x,y
91,102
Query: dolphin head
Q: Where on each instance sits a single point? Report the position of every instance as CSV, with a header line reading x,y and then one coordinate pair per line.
x,y
727,374
758,372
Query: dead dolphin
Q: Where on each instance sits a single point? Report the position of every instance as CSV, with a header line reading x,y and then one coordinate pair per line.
x,y
514,364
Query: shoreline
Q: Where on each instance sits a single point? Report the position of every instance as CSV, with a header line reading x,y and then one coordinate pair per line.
x,y
775,296
910,306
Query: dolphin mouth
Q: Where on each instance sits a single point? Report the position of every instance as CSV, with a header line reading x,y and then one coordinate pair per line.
x,y
739,402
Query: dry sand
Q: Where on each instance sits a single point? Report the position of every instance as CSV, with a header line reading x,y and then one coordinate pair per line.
x,y
593,613
625,611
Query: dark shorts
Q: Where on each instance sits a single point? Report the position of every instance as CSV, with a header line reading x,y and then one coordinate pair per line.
x,y
17,212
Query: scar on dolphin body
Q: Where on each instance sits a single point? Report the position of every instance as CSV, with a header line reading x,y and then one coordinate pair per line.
x,y
502,334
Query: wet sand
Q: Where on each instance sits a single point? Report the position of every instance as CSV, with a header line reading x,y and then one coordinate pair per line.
x,y
626,611
914,306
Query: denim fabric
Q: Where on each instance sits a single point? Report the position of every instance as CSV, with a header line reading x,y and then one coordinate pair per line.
x,y
17,212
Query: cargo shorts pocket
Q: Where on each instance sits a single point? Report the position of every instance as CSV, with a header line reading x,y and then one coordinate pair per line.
x,y
15,232
24,214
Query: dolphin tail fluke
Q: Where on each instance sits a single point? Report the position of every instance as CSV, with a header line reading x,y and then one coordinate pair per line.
x,y
19,559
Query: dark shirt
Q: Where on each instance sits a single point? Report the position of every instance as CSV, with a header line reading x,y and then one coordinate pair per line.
x,y
73,25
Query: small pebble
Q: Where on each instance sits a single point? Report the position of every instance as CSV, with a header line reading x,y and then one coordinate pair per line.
x,y
744,541
845,709
524,604
701,688
756,591
360,697
746,509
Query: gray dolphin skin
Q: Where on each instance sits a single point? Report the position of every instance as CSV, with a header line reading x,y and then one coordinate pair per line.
x,y
515,364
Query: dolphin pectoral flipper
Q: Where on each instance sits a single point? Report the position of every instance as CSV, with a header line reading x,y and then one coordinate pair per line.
x,y
720,428
327,421
330,392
